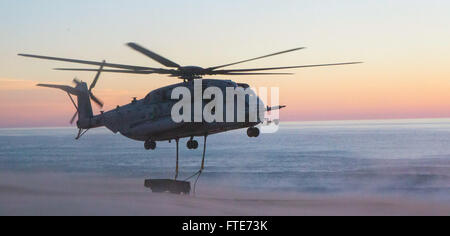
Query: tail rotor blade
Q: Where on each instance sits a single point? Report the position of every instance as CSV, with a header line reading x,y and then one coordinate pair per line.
x,y
73,117
76,81
95,99
97,76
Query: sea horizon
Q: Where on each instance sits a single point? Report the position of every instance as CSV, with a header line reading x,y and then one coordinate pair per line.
x,y
338,121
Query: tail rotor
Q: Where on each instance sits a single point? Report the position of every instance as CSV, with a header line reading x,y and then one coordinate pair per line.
x,y
94,82
80,89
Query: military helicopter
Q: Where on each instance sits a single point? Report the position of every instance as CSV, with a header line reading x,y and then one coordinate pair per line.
x,y
149,119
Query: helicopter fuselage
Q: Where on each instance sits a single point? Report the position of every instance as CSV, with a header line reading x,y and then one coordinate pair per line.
x,y
151,118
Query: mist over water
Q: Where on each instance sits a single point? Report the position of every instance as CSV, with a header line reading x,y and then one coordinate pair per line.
x,y
391,157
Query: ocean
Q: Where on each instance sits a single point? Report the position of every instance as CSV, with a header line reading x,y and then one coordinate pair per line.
x,y
381,157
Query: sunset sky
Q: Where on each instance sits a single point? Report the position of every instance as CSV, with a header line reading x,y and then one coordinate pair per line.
x,y
405,46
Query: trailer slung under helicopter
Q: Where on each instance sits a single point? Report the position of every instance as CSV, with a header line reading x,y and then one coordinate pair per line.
x,y
168,185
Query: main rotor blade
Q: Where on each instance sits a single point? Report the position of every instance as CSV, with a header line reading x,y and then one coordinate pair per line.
x,y
121,66
106,70
256,74
154,56
95,99
94,82
286,67
66,88
256,58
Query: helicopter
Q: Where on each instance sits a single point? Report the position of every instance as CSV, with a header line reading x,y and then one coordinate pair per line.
x,y
150,119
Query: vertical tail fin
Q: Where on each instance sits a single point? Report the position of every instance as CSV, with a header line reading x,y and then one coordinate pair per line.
x,y
83,105
84,95
84,110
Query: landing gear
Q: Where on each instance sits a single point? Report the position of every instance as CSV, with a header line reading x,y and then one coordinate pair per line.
x,y
192,144
253,132
150,145
174,185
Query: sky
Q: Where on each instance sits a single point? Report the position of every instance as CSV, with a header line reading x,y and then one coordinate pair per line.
x,y
404,46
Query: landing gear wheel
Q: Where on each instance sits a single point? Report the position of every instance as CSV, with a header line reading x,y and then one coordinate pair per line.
x,y
150,145
256,133
253,132
192,144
